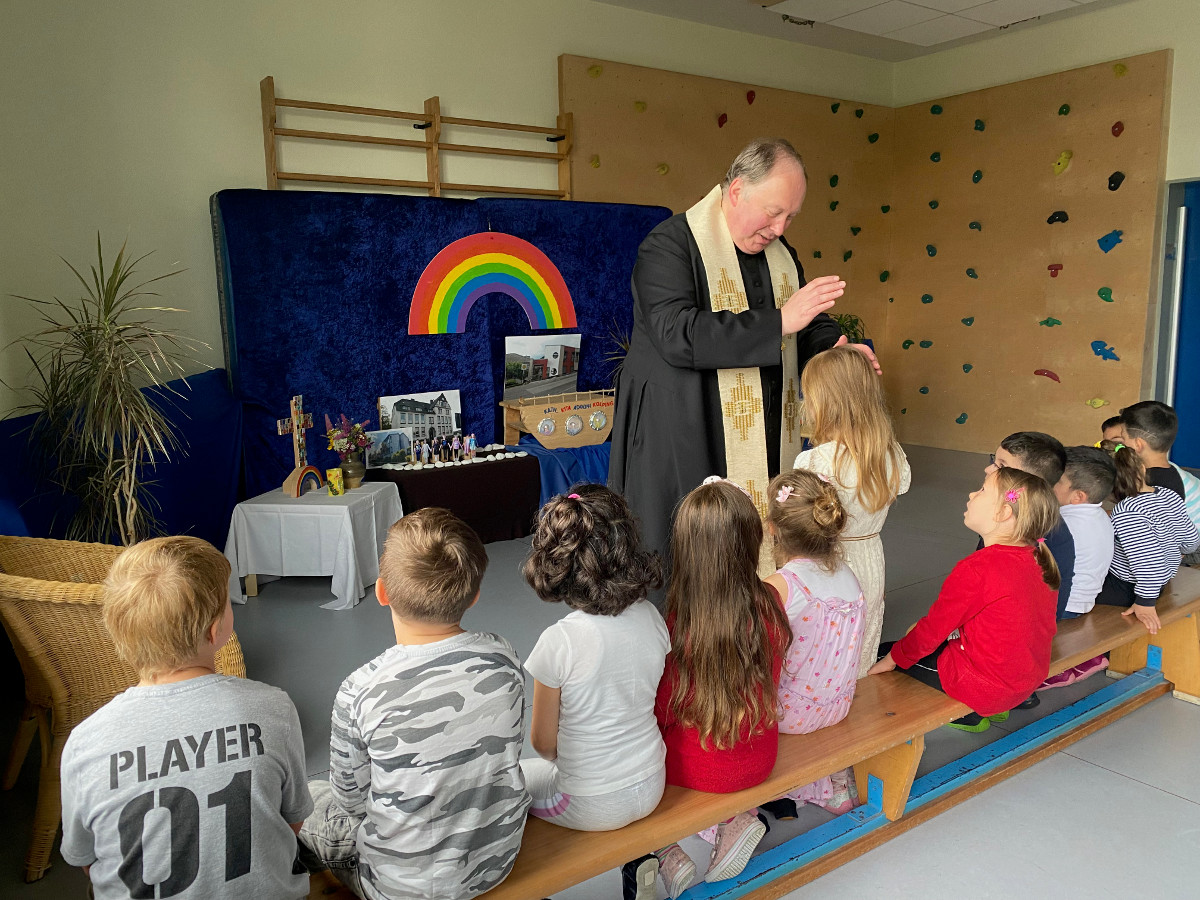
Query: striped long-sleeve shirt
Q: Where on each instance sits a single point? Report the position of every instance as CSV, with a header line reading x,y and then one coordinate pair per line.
x,y
1152,532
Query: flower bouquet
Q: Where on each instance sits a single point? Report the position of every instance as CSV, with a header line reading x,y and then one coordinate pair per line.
x,y
347,437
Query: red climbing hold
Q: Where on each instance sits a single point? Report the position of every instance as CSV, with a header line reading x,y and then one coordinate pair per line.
x,y
750,95
1117,128
1054,268
1047,374
721,120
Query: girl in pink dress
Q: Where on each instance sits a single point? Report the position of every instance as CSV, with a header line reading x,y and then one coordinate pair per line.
x,y
825,607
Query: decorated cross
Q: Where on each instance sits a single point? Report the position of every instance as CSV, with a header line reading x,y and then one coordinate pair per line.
x,y
295,425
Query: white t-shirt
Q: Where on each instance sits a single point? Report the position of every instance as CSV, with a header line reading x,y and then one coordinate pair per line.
x,y
607,669
1092,531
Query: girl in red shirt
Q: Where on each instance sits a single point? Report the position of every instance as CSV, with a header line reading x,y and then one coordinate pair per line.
x,y
717,699
986,639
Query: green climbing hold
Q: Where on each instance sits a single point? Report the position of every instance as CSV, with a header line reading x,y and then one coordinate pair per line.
x,y
980,125
968,321
1105,294
933,204
854,230
977,176
885,209
962,419
922,390
1050,322
1065,109
936,109
816,254
927,298
846,256
891,299
976,226
931,250
925,345
908,344
833,205
967,367
935,156
872,137
904,410
833,180
971,273
884,275
858,113
833,107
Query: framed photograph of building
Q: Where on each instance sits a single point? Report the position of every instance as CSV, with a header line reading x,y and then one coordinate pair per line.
x,y
393,446
540,365
428,415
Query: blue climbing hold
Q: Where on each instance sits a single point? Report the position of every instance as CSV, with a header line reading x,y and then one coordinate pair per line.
x,y
1110,240
1102,350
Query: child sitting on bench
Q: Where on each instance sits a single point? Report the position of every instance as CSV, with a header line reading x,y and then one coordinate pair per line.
x,y
996,606
1152,531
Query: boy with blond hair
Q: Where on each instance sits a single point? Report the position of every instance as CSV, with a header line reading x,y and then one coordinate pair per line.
x,y
425,796
186,784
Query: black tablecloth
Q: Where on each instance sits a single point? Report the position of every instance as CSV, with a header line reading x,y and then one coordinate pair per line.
x,y
498,498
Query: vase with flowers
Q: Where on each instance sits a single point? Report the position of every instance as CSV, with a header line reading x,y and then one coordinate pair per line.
x,y
349,440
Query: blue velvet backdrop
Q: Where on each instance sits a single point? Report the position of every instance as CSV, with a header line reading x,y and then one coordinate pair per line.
x,y
315,294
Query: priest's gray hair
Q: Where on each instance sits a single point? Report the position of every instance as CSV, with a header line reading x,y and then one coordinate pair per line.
x,y
758,158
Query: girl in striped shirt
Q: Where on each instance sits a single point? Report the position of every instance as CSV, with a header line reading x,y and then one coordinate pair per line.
x,y
1152,532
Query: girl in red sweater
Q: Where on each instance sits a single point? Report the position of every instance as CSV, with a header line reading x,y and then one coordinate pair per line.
x,y
717,699
986,639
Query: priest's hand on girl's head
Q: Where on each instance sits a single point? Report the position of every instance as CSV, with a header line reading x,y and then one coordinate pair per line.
x,y
864,350
806,304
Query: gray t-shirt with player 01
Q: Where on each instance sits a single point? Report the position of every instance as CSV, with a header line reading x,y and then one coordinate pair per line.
x,y
187,790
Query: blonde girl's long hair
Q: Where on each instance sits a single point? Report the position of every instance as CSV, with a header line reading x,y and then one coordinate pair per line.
x,y
843,398
1035,512
727,628
807,516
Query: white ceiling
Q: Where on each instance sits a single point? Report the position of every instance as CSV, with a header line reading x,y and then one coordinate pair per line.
x,y
890,30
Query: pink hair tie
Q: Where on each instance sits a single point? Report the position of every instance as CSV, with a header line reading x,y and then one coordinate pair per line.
x,y
1041,540
572,496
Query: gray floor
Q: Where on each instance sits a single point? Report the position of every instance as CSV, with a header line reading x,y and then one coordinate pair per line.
x,y
1116,815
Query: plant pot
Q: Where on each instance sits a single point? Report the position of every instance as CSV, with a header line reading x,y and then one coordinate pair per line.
x,y
353,470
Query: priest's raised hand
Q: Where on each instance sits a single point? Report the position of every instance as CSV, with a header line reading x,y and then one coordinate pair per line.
x,y
806,304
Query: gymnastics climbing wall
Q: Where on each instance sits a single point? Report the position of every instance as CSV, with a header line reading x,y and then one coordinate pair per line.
x,y
650,136
1024,259
987,316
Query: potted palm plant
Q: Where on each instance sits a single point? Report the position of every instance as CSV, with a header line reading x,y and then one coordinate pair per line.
x,y
95,427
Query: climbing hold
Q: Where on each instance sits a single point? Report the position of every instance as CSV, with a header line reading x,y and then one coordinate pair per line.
x,y
594,71
1115,179
1054,268
936,109
750,95
976,226
977,176
662,168
1059,215
816,254
1105,294
1102,350
925,345
933,204
1119,69
908,344
891,299
885,209
833,181
639,105
1050,321
935,156
858,113
971,273
980,125
967,367
721,120
904,410
922,390
931,250
872,137
1096,402
833,204
962,419
854,230
1110,240
846,256
594,161
833,107
884,275
1065,109
1117,128
1046,373
1064,160
968,321
927,298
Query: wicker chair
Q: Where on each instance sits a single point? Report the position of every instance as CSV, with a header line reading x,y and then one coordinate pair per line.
x,y
50,607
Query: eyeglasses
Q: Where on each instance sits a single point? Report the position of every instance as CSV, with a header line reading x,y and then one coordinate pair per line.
x,y
995,462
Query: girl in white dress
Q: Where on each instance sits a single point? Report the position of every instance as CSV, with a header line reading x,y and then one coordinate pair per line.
x,y
856,445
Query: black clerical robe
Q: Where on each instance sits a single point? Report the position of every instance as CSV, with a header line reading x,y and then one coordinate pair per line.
x,y
667,432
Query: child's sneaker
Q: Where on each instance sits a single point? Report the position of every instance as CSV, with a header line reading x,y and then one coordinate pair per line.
x,y
677,870
735,845
638,878
1076,673
845,793
972,722
784,809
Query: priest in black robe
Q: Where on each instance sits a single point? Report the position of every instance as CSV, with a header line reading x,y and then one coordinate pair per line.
x,y
668,431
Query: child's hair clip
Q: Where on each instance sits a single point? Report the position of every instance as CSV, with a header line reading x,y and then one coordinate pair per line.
x,y
573,497
1118,447
713,479
784,492
1014,495
825,478
1041,540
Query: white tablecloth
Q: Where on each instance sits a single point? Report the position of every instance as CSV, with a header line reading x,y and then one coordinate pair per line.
x,y
314,534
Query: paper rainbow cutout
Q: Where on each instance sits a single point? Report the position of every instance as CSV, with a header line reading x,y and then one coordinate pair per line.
x,y
489,263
